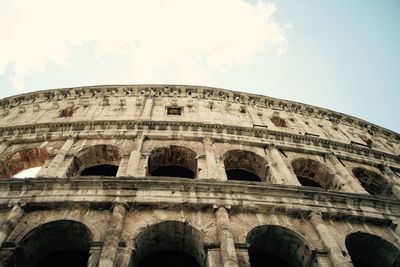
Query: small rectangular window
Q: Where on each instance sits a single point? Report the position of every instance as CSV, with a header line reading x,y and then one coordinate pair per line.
x,y
174,111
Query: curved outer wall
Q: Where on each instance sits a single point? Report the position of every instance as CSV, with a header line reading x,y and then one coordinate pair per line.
x,y
353,165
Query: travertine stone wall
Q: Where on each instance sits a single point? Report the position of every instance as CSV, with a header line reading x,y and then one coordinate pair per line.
x,y
353,166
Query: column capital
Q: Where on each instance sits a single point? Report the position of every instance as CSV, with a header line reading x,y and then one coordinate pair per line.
x,y
216,207
73,137
270,146
116,203
314,214
329,155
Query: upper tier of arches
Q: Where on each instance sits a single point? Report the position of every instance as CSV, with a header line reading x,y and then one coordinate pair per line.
x,y
198,160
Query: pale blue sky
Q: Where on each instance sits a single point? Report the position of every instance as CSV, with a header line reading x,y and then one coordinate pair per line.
x,y
342,55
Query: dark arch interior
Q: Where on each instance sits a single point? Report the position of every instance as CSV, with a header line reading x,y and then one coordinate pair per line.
x,y
367,250
242,165
264,259
101,170
372,182
272,245
173,171
59,243
96,160
169,243
312,173
172,161
169,258
65,258
304,181
242,175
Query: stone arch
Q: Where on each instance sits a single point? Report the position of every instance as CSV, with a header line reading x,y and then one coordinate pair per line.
x,y
275,245
170,242
245,165
310,172
173,161
23,159
96,160
373,183
56,243
366,249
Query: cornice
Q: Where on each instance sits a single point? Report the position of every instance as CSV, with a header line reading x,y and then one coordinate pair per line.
x,y
212,93
241,196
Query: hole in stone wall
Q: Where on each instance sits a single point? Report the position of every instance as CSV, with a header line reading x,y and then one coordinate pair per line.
x,y
308,169
59,243
101,170
174,110
371,250
373,183
271,245
173,161
245,165
242,175
170,243
23,160
65,113
279,122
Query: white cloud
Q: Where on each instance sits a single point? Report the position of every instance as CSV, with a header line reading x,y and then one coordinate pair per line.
x,y
175,39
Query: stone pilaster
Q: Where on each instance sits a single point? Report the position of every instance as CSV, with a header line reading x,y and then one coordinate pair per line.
x,y
126,256
147,108
133,168
214,166
342,178
335,254
4,144
55,167
95,251
278,170
225,237
243,257
112,236
14,215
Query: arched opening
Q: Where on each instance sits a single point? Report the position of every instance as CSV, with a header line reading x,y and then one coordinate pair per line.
x,y
58,243
367,250
241,165
98,160
277,246
170,243
312,173
172,161
24,159
28,173
373,183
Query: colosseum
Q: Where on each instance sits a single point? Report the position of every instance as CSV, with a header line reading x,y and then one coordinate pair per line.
x,y
174,175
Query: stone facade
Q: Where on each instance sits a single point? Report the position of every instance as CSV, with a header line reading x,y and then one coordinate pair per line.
x,y
141,174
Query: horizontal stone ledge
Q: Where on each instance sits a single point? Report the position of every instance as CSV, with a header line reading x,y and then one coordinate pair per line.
x,y
106,204
184,184
168,193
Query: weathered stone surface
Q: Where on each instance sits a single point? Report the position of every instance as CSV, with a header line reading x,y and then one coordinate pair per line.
x,y
131,174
